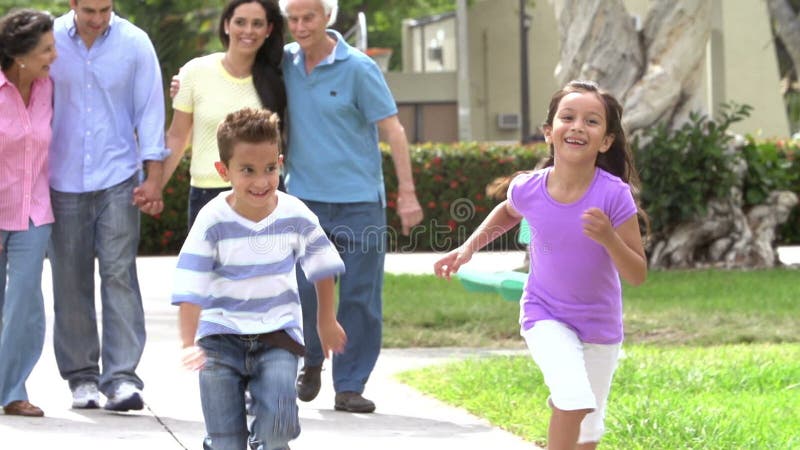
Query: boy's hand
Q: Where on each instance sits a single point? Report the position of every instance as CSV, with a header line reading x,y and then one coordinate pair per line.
x,y
193,357
451,262
331,336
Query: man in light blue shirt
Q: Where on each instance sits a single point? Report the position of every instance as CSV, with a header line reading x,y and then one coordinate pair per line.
x,y
337,102
108,125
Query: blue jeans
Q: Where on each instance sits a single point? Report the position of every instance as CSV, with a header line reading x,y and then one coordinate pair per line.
x,y
235,363
358,230
22,320
102,224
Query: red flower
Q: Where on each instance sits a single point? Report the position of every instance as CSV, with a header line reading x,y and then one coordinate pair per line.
x,y
391,204
453,184
431,204
451,224
478,196
437,160
438,178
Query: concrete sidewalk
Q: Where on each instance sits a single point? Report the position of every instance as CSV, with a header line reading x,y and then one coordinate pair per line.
x,y
172,418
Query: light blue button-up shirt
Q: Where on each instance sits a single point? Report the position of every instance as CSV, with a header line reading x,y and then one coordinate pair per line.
x,y
108,106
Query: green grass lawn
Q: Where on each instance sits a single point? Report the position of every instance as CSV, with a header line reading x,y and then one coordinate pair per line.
x,y
712,359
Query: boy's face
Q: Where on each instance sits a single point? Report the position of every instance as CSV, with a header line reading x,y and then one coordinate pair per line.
x,y
253,172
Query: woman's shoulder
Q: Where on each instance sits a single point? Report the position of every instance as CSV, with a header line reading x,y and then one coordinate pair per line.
x,y
202,62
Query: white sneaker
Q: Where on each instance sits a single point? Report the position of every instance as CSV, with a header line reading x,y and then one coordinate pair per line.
x,y
125,398
86,396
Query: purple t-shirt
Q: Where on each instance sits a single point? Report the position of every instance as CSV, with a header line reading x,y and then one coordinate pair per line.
x,y
572,279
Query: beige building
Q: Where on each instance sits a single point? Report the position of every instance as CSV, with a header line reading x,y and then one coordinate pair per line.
x,y
741,66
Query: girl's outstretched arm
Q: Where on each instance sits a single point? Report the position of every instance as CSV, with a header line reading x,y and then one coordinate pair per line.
x,y
500,220
623,244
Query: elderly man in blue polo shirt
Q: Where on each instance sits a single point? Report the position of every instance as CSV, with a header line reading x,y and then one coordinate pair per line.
x,y
337,102
108,122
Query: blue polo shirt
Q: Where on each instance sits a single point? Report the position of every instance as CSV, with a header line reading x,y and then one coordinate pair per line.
x,y
333,153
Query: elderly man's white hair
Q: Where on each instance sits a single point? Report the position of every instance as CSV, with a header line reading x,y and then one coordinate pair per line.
x,y
329,6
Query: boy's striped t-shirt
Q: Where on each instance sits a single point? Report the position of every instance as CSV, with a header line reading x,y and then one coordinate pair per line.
x,y
242,273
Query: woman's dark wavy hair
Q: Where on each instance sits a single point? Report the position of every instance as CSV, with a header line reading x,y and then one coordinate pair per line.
x,y
267,76
20,32
618,159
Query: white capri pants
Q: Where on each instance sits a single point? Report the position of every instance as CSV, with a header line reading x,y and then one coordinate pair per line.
x,y
578,374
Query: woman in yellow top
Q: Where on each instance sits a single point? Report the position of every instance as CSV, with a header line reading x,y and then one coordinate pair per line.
x,y
247,74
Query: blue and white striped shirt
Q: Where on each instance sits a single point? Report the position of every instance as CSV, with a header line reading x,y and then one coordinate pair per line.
x,y
242,273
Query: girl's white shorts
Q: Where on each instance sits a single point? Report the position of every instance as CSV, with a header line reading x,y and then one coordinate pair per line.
x,y
578,374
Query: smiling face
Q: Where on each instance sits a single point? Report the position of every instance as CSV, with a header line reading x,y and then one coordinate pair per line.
x,y
253,171
37,62
247,28
578,132
307,23
91,18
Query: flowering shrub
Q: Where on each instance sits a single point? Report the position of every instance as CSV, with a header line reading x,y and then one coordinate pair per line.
x,y
164,234
451,182
773,165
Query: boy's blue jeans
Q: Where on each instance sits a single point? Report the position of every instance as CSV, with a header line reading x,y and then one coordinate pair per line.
x,y
234,363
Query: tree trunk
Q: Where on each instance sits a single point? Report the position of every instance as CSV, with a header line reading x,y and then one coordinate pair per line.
x,y
787,27
656,72
727,236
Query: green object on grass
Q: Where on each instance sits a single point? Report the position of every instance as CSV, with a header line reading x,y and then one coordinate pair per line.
x,y
524,236
508,284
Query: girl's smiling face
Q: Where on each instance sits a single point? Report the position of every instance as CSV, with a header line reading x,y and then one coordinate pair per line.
x,y
578,132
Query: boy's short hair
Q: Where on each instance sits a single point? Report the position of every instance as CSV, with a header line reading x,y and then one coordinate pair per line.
x,y
247,125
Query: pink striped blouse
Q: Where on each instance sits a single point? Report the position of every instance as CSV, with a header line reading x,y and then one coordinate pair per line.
x,y
24,143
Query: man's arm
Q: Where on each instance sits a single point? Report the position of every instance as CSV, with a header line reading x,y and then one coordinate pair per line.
x,y
148,98
407,204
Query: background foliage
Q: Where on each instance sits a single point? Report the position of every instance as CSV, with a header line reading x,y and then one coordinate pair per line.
x,y
681,170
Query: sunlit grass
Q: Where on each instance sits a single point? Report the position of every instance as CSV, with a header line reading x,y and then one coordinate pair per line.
x,y
712,359
728,397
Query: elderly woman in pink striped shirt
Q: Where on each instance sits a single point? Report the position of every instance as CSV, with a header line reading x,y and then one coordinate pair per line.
x,y
27,49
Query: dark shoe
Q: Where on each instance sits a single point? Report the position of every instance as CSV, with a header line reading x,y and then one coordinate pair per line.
x,y
309,382
22,408
353,402
126,397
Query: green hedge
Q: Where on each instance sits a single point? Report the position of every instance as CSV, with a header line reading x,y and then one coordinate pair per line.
x,y
451,185
451,180
164,234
